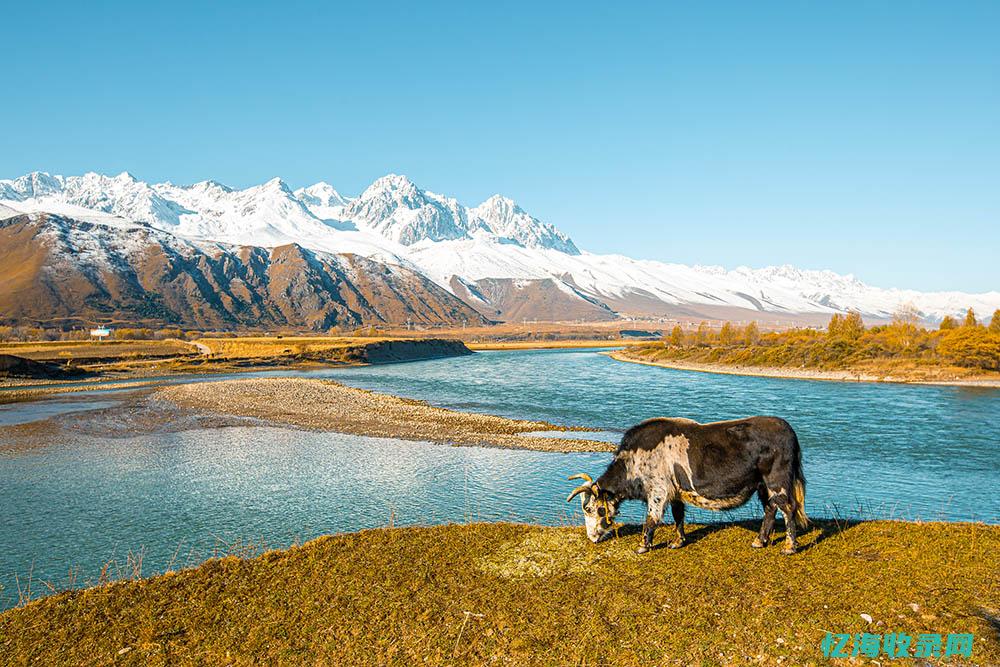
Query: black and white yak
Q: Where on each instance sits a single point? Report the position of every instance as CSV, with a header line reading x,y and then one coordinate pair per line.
x,y
717,466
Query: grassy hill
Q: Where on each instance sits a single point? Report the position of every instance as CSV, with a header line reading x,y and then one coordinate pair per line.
x,y
516,594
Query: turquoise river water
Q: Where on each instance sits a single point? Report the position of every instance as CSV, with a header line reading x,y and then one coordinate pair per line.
x,y
79,500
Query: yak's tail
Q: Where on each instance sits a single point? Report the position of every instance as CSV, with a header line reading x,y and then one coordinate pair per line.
x,y
799,489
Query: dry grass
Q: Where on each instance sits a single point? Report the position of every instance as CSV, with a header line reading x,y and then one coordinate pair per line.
x,y
89,350
270,346
126,355
273,346
516,595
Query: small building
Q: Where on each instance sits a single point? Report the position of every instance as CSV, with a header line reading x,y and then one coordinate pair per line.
x,y
100,333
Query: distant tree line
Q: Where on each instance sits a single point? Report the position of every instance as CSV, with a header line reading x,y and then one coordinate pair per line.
x,y
845,343
27,334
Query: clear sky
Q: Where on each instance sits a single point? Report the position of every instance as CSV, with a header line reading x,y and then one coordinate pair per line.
x,y
860,137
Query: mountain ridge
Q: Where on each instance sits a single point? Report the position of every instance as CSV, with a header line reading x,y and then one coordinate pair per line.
x,y
56,268
494,248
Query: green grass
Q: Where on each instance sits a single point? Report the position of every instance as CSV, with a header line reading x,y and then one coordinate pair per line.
x,y
516,594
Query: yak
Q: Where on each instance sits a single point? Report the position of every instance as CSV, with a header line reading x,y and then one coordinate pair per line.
x,y
717,466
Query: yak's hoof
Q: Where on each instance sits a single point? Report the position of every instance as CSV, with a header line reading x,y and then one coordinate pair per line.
x,y
789,550
758,544
643,548
676,544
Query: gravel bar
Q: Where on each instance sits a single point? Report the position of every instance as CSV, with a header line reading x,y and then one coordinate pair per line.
x,y
328,405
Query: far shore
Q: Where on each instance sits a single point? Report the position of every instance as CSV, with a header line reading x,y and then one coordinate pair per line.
x,y
803,373
551,344
263,355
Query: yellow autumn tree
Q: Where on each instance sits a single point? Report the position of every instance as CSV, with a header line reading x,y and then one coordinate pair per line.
x,y
972,347
995,321
677,336
702,334
727,335
853,326
903,331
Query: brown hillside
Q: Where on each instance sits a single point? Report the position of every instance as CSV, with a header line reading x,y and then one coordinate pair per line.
x,y
55,268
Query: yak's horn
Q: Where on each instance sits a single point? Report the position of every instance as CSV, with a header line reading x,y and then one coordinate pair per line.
x,y
583,488
588,487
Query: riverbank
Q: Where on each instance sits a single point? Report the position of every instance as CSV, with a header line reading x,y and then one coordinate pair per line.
x,y
859,375
550,344
517,594
328,405
220,357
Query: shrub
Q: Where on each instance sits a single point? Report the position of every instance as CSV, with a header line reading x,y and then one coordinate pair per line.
x,y
972,347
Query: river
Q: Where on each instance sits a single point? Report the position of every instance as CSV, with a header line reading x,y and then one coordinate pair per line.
x,y
79,500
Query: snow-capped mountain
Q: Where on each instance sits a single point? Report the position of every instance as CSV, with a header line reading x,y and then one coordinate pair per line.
x,y
323,201
56,269
495,256
394,207
506,220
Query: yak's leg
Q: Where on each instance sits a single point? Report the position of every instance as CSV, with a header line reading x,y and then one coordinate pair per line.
x,y
654,514
779,482
677,509
767,525
648,528
788,511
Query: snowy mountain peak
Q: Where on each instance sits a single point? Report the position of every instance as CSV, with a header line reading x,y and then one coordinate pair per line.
x,y
504,218
320,194
396,208
209,186
498,201
35,184
392,183
396,221
276,184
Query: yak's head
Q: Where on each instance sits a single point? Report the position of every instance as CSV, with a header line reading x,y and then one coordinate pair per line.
x,y
599,508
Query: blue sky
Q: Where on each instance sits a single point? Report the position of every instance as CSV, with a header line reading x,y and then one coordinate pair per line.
x,y
860,137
